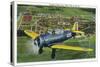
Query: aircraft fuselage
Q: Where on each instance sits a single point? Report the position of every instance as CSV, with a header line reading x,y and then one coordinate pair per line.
x,y
46,40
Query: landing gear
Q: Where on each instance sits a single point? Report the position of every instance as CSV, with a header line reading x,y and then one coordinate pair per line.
x,y
41,50
53,53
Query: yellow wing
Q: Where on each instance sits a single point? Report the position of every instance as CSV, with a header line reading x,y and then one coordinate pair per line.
x,y
32,34
61,46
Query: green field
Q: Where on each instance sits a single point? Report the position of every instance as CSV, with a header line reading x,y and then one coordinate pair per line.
x,y
23,55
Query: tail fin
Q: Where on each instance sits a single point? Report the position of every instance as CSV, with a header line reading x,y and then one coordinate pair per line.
x,y
76,30
75,26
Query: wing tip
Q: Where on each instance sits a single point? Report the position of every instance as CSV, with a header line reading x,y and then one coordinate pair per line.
x,y
89,49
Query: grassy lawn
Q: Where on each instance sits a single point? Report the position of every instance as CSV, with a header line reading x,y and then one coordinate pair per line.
x,y
26,55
